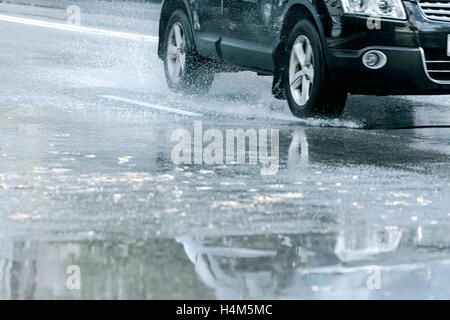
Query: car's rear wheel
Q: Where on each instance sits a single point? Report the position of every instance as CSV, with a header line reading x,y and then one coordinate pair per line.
x,y
185,70
307,84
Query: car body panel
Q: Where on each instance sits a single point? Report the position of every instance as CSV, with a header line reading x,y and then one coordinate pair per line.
x,y
249,33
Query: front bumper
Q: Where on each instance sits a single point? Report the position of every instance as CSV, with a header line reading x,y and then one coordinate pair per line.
x,y
408,46
404,73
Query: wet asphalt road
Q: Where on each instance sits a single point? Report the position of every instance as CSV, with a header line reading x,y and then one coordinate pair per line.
x,y
86,179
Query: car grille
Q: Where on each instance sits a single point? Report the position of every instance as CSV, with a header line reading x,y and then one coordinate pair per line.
x,y
438,64
436,9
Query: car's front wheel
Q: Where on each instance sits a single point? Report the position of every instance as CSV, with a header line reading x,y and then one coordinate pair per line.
x,y
307,84
185,70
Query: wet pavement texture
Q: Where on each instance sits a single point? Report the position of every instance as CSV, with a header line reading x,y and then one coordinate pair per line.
x,y
86,179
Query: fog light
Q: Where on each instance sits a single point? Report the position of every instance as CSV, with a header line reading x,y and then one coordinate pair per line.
x,y
374,59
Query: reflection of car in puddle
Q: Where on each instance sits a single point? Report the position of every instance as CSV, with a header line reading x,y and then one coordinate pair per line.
x,y
288,266
352,246
30,268
306,146
310,266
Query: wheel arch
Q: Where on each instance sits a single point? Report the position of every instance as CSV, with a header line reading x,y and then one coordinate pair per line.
x,y
168,7
290,16
318,14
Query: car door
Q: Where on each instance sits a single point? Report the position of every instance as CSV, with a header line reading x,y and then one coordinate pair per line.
x,y
208,25
249,33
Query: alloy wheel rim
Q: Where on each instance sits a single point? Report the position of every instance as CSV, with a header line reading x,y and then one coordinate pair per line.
x,y
301,70
176,52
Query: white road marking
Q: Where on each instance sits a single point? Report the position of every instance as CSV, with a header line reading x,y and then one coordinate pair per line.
x,y
81,29
153,106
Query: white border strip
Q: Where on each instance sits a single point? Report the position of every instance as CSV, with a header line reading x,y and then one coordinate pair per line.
x,y
81,29
153,106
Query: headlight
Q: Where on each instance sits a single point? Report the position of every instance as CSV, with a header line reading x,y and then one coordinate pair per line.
x,y
376,8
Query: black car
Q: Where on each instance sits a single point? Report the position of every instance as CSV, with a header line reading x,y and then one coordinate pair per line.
x,y
318,51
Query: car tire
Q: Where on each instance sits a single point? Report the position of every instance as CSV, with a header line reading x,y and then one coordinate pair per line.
x,y
185,70
307,84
